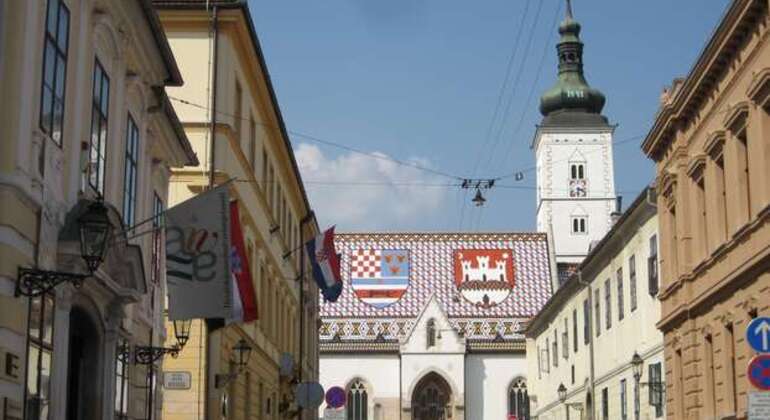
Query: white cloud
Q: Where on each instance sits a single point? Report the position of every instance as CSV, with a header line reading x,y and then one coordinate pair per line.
x,y
392,207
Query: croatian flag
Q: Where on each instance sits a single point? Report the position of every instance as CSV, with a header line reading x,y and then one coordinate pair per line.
x,y
244,298
326,265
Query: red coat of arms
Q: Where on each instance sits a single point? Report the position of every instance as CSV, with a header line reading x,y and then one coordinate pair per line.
x,y
485,277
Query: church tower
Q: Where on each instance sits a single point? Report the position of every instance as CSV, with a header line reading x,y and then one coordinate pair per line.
x,y
573,150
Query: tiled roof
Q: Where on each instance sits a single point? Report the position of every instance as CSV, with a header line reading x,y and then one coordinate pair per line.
x,y
432,272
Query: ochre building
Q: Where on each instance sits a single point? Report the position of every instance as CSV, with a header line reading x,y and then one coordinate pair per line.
x,y
711,144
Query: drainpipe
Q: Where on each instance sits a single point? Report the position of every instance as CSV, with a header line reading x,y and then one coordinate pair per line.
x,y
215,53
591,373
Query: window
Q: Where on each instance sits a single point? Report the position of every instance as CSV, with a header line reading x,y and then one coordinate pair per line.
x,y
623,400
709,377
607,304
238,117
720,194
99,118
632,281
621,303
731,373
656,388
572,369
579,225
605,404
39,356
597,313
357,402
54,70
577,171
742,165
157,236
555,349
151,385
129,179
652,266
252,143
431,333
574,331
565,340
518,400
121,380
265,182
586,321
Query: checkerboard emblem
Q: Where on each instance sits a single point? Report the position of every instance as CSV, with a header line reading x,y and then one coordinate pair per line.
x,y
485,277
379,277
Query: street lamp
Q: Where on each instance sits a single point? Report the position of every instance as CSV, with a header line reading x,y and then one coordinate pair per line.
x,y
148,355
94,233
242,351
562,392
637,364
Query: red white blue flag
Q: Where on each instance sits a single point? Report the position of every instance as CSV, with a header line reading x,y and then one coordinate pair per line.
x,y
326,265
244,298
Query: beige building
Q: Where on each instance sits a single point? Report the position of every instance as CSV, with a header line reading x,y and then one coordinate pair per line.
x,y
587,334
231,115
86,131
710,144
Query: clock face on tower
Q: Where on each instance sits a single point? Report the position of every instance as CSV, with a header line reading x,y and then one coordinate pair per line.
x,y
578,188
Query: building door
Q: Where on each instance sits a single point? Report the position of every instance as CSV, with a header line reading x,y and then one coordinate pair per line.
x,y
432,399
83,396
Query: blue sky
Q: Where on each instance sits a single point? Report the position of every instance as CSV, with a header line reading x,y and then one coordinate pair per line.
x,y
420,80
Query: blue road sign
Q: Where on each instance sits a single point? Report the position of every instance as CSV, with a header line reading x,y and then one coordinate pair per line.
x,y
759,372
758,334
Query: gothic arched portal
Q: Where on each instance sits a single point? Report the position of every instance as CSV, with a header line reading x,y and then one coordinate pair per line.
x,y
432,398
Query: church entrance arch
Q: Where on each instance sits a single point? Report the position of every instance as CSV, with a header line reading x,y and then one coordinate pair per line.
x,y
432,399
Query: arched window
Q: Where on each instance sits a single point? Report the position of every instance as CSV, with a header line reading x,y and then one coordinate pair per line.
x,y
431,333
518,400
358,404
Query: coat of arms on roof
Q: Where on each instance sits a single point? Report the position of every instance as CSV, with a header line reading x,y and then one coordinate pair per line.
x,y
484,277
379,277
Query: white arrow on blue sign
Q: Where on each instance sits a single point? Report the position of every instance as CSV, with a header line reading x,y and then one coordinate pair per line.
x,y
758,334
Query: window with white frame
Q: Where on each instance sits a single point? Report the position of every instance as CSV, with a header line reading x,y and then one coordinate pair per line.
x,y
632,281
621,301
652,267
54,70
121,380
518,400
100,101
578,186
357,404
40,349
131,173
579,225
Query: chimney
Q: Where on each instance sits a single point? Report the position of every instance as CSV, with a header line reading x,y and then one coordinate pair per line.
x,y
615,215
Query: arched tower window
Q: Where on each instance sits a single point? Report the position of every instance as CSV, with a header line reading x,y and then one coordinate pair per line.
x,y
358,404
518,400
431,333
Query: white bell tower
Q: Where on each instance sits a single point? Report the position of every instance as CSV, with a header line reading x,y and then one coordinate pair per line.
x,y
573,150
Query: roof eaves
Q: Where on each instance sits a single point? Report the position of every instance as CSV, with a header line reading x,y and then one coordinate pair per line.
x,y
174,74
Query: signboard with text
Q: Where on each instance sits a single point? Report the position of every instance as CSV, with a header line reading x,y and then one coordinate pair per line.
x,y
759,405
177,380
334,414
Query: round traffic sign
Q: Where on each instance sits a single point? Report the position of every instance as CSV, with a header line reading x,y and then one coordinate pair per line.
x,y
759,372
335,397
758,334
309,394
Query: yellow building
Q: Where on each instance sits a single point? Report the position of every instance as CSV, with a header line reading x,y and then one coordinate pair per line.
x,y
231,115
584,339
85,124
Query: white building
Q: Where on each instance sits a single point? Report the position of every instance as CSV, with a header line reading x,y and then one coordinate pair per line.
x,y
590,329
435,352
573,151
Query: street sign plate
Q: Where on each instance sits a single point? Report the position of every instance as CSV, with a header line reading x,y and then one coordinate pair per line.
x,y
758,334
335,397
759,405
334,414
177,380
759,372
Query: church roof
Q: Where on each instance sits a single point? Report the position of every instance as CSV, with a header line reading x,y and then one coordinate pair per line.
x,y
433,267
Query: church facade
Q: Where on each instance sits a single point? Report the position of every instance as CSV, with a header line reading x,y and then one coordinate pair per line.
x,y
429,325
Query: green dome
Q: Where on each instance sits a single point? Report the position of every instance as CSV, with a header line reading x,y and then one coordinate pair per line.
x,y
571,92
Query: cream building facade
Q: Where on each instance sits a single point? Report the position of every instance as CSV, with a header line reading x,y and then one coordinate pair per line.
x,y
587,333
231,115
710,144
85,120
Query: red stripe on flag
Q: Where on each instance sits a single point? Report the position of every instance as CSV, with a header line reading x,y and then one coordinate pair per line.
x,y
379,293
245,287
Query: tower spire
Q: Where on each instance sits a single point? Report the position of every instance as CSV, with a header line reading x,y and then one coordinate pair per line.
x,y
569,9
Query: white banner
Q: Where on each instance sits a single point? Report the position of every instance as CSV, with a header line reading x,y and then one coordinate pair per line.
x,y
198,257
